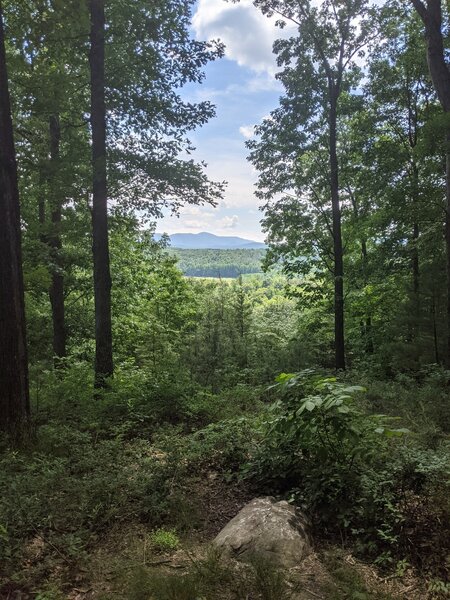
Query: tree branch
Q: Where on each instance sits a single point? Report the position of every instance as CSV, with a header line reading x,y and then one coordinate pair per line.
x,y
421,9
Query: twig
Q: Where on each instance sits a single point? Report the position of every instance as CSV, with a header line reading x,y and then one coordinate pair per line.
x,y
313,593
162,561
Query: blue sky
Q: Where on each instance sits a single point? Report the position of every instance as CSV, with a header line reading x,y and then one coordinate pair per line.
x,y
244,90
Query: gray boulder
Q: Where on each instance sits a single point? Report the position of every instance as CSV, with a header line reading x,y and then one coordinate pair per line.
x,y
276,531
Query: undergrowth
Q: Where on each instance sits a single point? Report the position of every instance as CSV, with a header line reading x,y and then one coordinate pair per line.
x,y
147,448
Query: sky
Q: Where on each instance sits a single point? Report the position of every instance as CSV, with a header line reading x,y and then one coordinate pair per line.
x,y
244,90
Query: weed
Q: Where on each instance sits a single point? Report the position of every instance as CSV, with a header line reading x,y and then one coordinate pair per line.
x,y
270,582
348,584
164,540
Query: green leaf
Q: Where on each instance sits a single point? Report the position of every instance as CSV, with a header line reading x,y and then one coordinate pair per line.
x,y
396,432
310,405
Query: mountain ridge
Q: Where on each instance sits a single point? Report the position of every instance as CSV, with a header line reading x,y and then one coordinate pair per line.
x,y
209,241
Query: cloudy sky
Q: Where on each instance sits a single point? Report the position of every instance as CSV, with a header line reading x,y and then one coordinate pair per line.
x,y
243,88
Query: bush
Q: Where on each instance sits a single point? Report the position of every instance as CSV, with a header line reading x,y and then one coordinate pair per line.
x,y
357,476
317,442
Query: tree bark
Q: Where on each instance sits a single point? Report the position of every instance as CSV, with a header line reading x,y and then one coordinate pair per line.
x,y
102,277
14,391
431,15
337,237
56,291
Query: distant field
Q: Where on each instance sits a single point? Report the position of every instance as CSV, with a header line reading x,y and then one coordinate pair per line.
x,y
224,264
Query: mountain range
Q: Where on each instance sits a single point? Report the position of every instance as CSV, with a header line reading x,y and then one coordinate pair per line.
x,y
204,241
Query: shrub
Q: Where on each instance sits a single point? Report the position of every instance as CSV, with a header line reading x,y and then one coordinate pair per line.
x,y
317,442
164,540
355,474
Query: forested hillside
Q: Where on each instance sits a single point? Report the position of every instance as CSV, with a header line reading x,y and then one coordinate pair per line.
x,y
219,263
209,241
141,410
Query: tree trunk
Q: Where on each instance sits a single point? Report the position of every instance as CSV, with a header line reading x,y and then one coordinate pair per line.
x,y
435,336
54,241
368,323
102,277
447,242
14,393
416,269
337,238
432,19
431,15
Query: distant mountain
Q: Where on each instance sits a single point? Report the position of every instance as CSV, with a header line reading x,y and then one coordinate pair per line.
x,y
209,241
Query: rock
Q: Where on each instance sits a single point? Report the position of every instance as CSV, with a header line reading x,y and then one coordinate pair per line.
x,y
276,531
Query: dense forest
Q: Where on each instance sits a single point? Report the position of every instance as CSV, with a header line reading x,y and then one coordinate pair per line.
x,y
227,264
141,410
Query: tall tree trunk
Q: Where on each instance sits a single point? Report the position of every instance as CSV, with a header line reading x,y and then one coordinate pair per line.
x,y
447,241
435,336
415,262
416,269
14,393
102,277
368,323
54,241
431,15
337,238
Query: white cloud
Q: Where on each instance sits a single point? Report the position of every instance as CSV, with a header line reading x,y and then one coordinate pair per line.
x,y
261,82
229,222
247,131
248,35
197,219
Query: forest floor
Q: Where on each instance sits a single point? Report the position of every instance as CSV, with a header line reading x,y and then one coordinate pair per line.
x,y
81,508
123,565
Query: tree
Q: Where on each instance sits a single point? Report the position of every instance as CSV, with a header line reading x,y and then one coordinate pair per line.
x,y
14,393
431,15
102,277
149,57
52,145
55,244
401,100
319,66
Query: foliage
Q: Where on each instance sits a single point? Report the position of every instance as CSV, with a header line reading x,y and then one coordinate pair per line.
x,y
188,409
71,489
317,436
219,263
164,540
352,471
